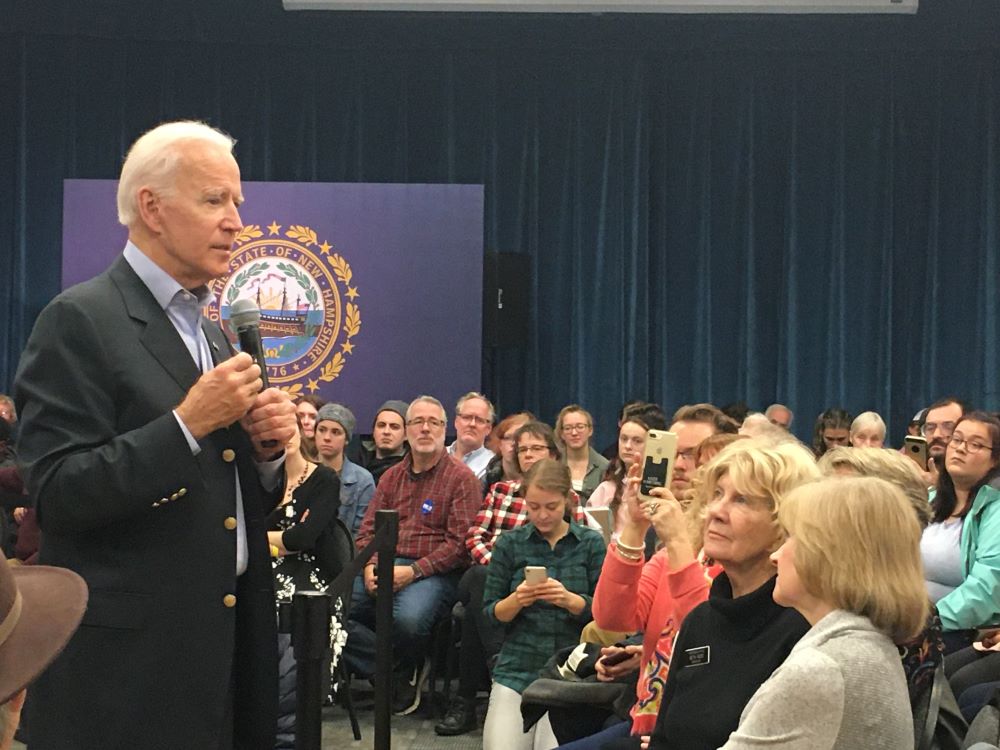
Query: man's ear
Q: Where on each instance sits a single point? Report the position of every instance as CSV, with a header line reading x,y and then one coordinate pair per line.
x,y
149,205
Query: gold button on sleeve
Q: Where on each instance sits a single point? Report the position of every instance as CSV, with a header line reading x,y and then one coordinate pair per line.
x,y
229,600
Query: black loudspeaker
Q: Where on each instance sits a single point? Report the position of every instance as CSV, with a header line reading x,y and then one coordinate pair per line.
x,y
506,299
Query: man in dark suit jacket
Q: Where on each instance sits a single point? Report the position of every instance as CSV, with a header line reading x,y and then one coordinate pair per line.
x,y
143,441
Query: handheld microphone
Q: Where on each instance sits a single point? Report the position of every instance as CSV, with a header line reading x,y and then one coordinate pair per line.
x,y
245,318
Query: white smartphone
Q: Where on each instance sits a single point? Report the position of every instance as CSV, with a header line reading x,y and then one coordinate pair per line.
x,y
657,461
535,574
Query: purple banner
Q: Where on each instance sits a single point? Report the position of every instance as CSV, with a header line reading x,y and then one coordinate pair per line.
x,y
367,291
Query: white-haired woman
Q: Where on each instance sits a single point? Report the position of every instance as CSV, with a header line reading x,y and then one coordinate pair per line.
x,y
867,430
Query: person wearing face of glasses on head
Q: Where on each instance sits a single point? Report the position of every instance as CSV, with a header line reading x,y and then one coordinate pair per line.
x,y
961,545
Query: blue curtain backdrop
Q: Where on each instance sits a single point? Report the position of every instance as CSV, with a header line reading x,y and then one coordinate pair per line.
x,y
717,208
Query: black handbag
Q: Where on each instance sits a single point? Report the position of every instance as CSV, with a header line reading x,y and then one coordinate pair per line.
x,y
937,720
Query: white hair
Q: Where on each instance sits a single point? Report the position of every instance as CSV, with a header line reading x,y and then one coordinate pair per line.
x,y
756,425
152,159
867,419
769,412
427,400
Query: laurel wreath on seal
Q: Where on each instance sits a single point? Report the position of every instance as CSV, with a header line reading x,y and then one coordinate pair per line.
x,y
341,269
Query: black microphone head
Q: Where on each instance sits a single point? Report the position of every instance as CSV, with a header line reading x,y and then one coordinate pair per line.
x,y
244,314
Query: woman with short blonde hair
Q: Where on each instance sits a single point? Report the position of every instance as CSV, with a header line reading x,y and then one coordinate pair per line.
x,y
851,567
858,548
889,465
762,472
740,630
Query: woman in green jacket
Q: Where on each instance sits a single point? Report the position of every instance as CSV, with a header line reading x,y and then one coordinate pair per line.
x,y
961,545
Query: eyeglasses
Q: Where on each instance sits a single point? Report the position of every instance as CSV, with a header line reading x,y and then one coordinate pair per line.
x,y
536,448
473,419
432,422
687,455
575,427
958,442
930,428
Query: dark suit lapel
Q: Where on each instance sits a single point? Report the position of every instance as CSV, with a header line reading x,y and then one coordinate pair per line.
x,y
217,342
158,336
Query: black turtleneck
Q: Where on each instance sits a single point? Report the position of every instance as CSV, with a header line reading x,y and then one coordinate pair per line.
x,y
725,650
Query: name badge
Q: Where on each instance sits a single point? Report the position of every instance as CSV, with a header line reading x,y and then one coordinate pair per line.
x,y
698,657
427,507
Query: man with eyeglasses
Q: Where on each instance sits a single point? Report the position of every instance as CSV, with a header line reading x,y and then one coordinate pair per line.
x,y
692,424
939,423
474,417
437,499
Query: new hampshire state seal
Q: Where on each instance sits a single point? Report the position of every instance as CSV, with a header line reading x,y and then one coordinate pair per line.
x,y
309,314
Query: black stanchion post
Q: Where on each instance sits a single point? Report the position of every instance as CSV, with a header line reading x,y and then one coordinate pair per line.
x,y
389,520
311,645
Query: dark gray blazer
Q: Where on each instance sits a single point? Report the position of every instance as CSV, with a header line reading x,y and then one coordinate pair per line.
x,y
123,502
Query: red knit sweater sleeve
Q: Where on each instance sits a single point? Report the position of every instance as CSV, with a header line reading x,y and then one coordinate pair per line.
x,y
626,591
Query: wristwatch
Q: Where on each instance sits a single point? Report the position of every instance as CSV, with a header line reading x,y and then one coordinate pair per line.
x,y
417,575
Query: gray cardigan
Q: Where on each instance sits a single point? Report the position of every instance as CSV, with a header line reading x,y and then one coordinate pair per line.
x,y
841,687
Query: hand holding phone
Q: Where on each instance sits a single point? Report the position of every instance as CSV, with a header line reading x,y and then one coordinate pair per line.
x,y
915,447
535,574
616,658
657,461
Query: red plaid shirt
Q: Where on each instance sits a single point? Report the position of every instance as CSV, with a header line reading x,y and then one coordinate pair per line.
x,y
435,509
503,509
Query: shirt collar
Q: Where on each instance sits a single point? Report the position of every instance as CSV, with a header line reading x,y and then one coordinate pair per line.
x,y
426,472
161,284
575,530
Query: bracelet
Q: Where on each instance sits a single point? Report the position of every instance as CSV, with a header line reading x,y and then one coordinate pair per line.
x,y
630,556
620,545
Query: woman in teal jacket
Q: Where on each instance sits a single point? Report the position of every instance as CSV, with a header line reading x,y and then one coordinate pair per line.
x,y
966,582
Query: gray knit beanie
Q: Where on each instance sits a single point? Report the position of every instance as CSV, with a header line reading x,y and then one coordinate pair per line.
x,y
399,407
340,414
